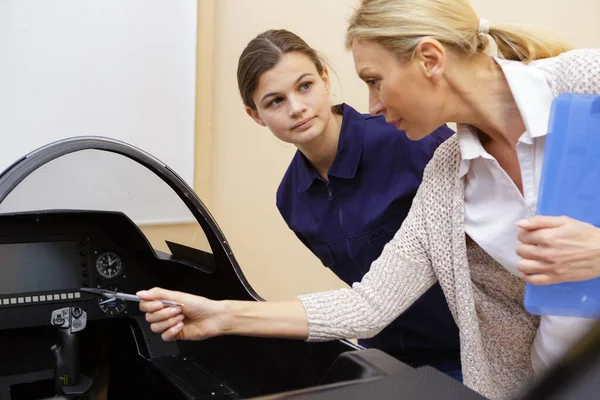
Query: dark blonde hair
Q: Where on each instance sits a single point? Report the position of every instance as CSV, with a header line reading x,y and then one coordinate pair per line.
x,y
399,26
263,53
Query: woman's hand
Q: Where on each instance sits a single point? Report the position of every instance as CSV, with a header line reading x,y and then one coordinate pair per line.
x,y
199,318
558,249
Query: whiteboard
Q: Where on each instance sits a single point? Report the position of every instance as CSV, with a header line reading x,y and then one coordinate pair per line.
x,y
124,69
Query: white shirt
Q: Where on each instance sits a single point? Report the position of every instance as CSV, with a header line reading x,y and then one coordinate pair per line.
x,y
494,204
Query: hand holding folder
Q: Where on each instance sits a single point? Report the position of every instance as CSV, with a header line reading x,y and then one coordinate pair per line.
x,y
570,186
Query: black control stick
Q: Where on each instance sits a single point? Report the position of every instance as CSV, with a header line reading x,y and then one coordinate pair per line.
x,y
67,378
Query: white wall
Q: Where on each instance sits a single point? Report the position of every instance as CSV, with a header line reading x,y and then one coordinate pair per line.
x,y
122,69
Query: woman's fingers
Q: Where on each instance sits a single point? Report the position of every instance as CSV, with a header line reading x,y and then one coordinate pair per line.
x,y
541,279
164,294
529,267
151,306
163,314
159,327
171,333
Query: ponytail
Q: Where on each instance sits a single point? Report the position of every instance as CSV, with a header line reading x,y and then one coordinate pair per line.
x,y
525,45
399,26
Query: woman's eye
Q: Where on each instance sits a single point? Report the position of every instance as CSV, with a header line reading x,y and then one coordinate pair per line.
x,y
305,85
275,101
373,84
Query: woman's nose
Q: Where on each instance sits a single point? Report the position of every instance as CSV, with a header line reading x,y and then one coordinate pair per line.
x,y
297,106
375,106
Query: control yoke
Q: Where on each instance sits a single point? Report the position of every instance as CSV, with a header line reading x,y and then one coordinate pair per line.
x,y
67,378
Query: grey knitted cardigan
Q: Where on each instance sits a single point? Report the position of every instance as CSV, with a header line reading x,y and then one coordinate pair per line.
x,y
486,301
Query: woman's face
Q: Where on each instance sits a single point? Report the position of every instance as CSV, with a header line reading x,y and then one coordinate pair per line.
x,y
292,100
407,93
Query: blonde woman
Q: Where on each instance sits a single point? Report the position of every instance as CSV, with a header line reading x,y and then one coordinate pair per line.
x,y
471,227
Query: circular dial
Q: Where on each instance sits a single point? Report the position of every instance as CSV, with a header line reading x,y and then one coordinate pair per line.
x,y
112,307
109,265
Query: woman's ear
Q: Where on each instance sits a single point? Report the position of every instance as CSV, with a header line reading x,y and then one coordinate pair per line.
x,y
326,79
431,55
254,115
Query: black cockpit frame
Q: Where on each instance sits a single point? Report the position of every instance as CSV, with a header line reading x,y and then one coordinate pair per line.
x,y
21,169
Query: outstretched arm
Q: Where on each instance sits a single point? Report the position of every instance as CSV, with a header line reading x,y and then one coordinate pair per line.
x,y
201,318
396,279
359,312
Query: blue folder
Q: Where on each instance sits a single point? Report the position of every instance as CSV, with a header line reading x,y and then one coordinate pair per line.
x,y
570,185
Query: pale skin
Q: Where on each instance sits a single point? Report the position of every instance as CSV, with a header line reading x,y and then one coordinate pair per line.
x,y
451,89
292,100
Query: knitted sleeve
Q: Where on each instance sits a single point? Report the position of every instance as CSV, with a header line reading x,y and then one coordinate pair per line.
x,y
577,71
396,279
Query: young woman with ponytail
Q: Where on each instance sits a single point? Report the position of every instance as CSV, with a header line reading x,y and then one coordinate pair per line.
x,y
471,226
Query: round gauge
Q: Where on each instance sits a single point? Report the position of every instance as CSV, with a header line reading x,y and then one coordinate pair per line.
x,y
112,307
109,265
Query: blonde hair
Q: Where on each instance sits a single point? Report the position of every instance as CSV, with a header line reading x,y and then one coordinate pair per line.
x,y
399,26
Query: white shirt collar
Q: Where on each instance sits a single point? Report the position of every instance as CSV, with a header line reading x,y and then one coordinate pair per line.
x,y
532,94
533,97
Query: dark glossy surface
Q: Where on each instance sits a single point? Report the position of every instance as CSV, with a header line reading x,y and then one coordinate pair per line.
x,y
122,347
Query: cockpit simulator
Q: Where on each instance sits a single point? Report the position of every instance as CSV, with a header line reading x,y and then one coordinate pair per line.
x,y
59,340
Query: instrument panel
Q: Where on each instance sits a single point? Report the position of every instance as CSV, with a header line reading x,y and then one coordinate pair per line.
x,y
52,269
48,257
